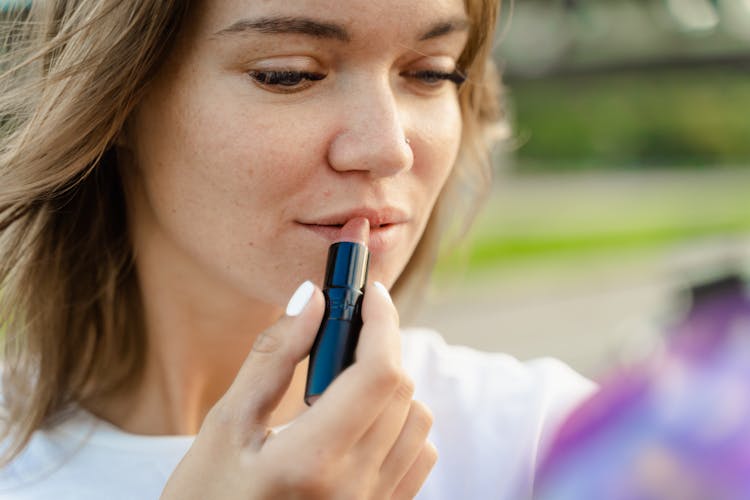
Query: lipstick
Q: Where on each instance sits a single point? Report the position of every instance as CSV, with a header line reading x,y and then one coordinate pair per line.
x,y
343,288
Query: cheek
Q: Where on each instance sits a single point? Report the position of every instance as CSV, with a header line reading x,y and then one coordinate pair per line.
x,y
220,183
215,156
437,149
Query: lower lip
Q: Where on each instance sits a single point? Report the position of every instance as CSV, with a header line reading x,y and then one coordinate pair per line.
x,y
381,238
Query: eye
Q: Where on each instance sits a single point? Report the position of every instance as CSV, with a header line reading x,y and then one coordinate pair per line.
x,y
434,78
285,80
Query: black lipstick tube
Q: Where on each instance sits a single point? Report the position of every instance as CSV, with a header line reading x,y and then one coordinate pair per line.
x,y
343,288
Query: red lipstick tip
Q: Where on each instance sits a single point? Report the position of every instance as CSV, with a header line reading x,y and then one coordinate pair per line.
x,y
356,230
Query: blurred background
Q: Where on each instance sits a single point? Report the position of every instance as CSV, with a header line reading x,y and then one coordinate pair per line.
x,y
623,188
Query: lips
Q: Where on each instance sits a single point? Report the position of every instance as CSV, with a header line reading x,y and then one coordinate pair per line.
x,y
386,226
377,217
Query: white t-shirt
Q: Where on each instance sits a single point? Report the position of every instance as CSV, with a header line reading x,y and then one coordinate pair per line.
x,y
492,416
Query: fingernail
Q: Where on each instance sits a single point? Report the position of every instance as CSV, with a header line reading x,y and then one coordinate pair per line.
x,y
299,300
383,290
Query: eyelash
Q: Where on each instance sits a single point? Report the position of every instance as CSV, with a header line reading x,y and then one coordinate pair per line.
x,y
282,77
456,76
289,80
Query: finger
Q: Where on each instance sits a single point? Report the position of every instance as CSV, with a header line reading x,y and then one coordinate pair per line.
x,y
267,372
380,337
418,473
350,405
377,442
410,443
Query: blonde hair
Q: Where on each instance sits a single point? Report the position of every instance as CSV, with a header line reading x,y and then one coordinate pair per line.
x,y
70,75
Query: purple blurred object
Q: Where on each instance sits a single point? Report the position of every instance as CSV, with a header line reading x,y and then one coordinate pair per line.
x,y
674,427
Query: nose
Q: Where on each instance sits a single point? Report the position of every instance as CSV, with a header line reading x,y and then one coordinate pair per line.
x,y
371,136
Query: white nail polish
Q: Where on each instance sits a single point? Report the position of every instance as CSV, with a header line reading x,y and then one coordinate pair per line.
x,y
383,290
300,299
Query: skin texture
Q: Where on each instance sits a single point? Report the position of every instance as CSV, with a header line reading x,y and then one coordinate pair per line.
x,y
223,174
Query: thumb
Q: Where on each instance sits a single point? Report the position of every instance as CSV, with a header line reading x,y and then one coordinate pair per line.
x,y
267,372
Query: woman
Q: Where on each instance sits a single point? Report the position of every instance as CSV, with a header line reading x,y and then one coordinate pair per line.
x,y
171,172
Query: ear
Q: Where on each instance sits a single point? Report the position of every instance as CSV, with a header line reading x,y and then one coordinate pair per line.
x,y
123,140
123,147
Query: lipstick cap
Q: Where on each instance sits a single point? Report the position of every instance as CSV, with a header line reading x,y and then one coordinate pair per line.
x,y
347,265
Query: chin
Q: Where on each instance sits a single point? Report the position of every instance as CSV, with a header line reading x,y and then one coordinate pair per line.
x,y
386,276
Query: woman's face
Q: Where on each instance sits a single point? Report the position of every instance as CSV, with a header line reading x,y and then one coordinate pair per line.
x,y
274,122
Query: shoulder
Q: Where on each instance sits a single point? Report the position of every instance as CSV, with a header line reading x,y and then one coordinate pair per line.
x,y
81,457
84,457
477,375
493,414
40,469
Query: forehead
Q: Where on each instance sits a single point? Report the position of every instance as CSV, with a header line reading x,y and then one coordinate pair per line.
x,y
364,20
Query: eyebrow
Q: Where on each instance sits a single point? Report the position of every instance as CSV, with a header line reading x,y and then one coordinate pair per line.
x,y
286,25
326,30
444,28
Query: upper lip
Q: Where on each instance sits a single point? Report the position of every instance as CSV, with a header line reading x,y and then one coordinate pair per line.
x,y
376,216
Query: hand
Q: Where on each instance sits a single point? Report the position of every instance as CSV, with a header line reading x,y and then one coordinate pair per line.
x,y
364,438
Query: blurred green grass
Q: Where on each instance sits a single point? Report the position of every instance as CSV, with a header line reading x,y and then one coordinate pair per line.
x,y
556,218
